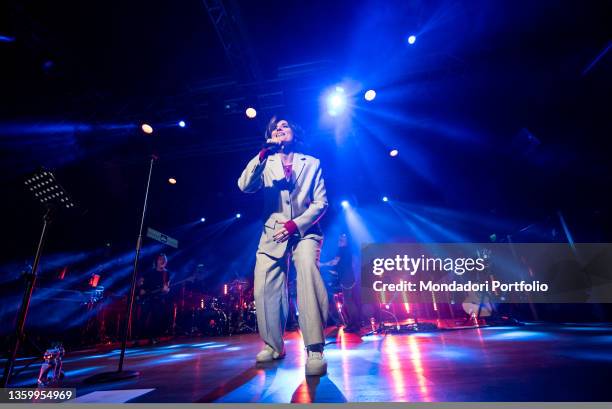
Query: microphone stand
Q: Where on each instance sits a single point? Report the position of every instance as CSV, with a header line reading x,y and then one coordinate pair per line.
x,y
47,191
120,373
19,336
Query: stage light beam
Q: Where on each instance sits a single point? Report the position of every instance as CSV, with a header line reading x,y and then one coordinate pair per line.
x,y
238,215
203,219
6,39
345,204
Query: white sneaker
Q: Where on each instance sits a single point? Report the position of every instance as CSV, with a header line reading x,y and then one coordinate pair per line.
x,y
316,365
268,354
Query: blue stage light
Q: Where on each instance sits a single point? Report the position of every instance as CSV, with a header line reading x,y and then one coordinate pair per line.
x,y
203,219
345,204
385,199
182,124
370,95
336,102
393,153
238,215
411,39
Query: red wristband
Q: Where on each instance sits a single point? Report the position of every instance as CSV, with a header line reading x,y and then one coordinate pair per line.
x,y
291,227
263,154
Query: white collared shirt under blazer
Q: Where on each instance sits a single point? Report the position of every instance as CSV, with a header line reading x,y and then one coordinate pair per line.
x,y
302,199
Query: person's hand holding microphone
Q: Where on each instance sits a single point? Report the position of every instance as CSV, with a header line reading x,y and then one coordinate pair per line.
x,y
270,147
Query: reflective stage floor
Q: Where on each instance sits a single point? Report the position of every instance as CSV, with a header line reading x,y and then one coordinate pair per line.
x,y
534,362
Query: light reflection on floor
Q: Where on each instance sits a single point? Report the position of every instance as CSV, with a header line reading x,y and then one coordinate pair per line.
x,y
486,364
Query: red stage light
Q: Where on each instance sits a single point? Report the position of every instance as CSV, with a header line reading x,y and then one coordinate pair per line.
x,y
94,280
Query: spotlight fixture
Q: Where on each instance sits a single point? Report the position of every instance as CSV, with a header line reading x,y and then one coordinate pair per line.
x,y
385,199
203,219
251,113
411,39
146,128
238,215
345,204
370,95
182,124
336,102
393,153
172,181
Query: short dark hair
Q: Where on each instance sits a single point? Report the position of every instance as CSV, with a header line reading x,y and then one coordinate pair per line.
x,y
157,256
298,132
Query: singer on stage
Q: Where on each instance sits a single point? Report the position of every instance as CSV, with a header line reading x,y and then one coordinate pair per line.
x,y
294,201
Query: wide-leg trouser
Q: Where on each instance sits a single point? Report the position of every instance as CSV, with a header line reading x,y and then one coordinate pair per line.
x,y
271,294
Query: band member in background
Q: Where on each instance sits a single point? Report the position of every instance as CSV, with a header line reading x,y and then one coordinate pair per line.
x,y
342,265
156,305
294,201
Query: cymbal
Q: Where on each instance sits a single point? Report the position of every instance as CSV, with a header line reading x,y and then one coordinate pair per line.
x,y
238,283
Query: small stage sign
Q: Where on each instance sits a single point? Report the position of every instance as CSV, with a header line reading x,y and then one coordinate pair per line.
x,y
162,238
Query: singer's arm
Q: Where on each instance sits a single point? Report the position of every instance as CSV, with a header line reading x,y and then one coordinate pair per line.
x,y
318,205
251,179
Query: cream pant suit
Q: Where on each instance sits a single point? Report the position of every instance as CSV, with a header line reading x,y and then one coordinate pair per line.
x,y
302,199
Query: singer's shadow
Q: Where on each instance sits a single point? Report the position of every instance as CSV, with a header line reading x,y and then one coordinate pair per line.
x,y
317,389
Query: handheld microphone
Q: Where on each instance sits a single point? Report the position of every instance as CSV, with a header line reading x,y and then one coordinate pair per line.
x,y
272,146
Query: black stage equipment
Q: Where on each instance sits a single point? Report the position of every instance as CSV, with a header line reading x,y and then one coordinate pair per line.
x,y
52,196
120,373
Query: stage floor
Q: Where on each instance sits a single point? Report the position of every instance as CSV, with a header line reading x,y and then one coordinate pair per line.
x,y
534,362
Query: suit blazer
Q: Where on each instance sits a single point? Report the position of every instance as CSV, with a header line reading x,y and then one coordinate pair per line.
x,y
302,199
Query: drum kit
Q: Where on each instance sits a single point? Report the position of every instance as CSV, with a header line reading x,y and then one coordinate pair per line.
x,y
201,313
